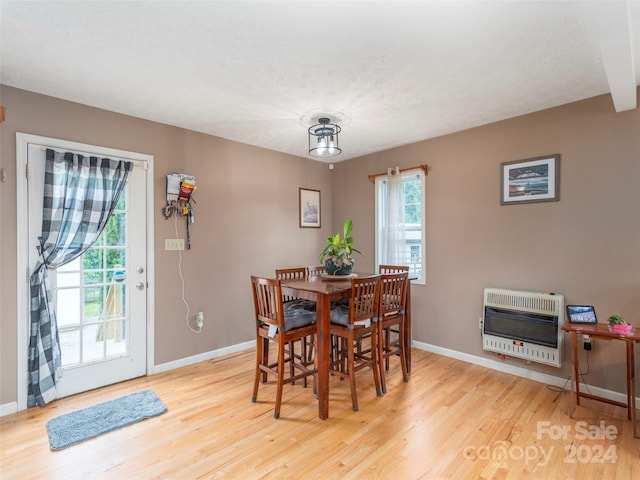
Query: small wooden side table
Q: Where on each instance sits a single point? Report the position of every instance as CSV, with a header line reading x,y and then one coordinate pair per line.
x,y
602,331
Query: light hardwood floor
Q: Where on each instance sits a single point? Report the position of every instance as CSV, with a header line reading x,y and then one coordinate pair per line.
x,y
452,420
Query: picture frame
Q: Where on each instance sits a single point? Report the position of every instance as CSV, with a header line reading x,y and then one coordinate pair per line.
x,y
309,208
530,180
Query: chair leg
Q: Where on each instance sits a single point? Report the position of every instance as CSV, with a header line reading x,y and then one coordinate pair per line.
x,y
304,346
384,353
315,376
344,346
352,376
387,346
281,367
265,357
259,358
306,355
303,358
337,348
381,356
376,362
312,344
292,357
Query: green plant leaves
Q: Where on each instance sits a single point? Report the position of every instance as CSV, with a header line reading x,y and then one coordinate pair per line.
x,y
616,320
340,248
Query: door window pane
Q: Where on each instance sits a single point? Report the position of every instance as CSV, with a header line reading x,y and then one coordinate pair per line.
x,y
92,344
70,346
115,230
68,311
68,279
93,298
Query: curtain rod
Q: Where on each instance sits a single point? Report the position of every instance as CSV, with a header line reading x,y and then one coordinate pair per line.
x,y
137,163
424,168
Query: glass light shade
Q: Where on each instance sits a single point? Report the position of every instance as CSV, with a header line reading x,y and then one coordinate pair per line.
x,y
325,135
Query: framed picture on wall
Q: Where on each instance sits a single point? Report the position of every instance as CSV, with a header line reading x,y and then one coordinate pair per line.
x,y
309,208
530,180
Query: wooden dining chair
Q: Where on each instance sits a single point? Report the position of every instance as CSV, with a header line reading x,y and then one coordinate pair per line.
x,y
316,271
392,318
291,273
382,269
385,269
290,302
350,323
276,325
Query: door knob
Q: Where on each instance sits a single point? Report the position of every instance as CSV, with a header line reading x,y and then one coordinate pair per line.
x,y
140,285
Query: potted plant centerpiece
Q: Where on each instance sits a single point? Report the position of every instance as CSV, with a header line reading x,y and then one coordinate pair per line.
x,y
618,325
337,253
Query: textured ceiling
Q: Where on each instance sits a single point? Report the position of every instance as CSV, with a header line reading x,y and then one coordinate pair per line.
x,y
391,73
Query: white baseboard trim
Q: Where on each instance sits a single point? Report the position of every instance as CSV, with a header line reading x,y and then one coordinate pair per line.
x,y
183,362
12,407
521,372
8,408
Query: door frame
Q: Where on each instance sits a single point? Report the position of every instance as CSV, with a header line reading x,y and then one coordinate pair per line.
x,y
22,254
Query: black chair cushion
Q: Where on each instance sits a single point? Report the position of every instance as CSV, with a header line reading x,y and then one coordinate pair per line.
x,y
297,318
340,314
300,304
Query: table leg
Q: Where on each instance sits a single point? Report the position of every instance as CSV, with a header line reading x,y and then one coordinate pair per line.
x,y
575,381
631,386
323,353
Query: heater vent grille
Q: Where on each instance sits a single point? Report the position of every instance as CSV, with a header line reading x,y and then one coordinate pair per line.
x,y
533,314
542,303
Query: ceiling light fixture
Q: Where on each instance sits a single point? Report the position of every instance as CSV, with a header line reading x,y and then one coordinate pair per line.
x,y
323,139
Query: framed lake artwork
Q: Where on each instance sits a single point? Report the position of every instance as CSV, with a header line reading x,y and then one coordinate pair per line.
x,y
530,180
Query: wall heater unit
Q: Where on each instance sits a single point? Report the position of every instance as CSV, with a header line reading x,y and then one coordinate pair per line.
x,y
525,325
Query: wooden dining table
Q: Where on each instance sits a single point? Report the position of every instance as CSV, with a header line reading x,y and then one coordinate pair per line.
x,y
323,291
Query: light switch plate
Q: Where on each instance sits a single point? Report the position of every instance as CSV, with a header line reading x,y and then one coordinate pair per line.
x,y
174,244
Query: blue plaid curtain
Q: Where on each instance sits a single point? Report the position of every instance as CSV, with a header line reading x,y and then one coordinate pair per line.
x,y
80,194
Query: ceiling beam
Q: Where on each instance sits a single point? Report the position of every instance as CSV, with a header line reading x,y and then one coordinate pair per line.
x,y
614,23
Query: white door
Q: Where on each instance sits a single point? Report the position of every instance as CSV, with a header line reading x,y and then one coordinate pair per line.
x,y
100,298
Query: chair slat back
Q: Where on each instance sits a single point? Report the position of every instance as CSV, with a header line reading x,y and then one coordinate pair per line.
x,y
365,293
316,271
383,269
288,274
393,293
267,300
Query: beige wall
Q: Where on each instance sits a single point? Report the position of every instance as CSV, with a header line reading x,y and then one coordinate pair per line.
x,y
587,246
246,221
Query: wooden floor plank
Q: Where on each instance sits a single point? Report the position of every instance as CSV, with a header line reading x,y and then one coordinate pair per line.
x,y
452,420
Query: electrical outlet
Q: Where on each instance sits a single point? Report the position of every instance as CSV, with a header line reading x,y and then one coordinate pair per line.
x,y
174,244
200,320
